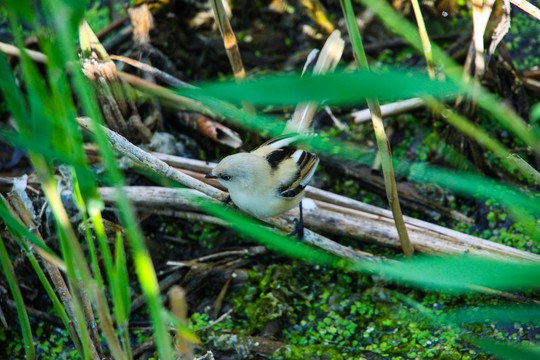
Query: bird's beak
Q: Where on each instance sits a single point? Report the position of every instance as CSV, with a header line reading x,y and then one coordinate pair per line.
x,y
210,175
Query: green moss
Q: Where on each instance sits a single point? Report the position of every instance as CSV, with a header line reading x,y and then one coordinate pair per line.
x,y
51,343
97,15
329,314
316,352
522,40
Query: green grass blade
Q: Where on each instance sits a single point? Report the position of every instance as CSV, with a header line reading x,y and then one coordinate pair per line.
x,y
508,351
11,92
250,227
349,88
506,314
24,9
459,274
19,231
121,294
524,207
143,263
24,322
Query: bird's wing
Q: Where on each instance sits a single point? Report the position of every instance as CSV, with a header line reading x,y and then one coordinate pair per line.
x,y
305,165
294,166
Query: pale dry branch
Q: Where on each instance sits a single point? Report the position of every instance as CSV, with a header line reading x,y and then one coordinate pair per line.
x,y
149,197
391,109
346,217
124,147
527,7
166,77
15,51
446,241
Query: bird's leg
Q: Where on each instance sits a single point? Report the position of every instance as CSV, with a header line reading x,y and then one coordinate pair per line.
x,y
299,225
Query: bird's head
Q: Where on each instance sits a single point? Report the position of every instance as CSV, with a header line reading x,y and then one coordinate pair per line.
x,y
241,171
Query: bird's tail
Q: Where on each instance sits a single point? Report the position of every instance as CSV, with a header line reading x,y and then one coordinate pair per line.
x,y
327,61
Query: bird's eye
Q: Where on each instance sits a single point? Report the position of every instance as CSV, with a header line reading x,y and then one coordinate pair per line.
x,y
225,177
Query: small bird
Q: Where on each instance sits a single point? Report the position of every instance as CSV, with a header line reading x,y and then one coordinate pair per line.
x,y
271,179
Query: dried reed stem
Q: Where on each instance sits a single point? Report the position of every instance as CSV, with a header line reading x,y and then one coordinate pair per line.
x,y
376,220
123,146
229,39
382,140
426,44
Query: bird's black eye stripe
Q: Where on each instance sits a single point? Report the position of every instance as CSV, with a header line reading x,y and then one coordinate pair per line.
x,y
224,177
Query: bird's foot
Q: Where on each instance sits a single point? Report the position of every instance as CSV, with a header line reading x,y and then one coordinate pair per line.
x,y
298,229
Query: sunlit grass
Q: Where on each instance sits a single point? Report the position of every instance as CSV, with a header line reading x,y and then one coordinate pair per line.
x,y
48,112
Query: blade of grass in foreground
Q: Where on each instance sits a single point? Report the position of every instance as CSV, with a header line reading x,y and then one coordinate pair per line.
x,y
506,314
250,227
462,274
349,88
19,302
508,351
525,208
66,32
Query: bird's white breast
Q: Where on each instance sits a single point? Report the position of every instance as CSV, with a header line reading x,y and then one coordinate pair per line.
x,y
263,204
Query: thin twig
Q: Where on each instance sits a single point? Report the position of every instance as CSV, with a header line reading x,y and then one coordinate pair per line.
x,y
162,75
15,51
387,110
170,97
112,26
123,146
527,7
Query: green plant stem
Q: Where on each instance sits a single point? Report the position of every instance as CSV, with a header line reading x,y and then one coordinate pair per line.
x,y
17,207
378,126
143,264
426,44
9,272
